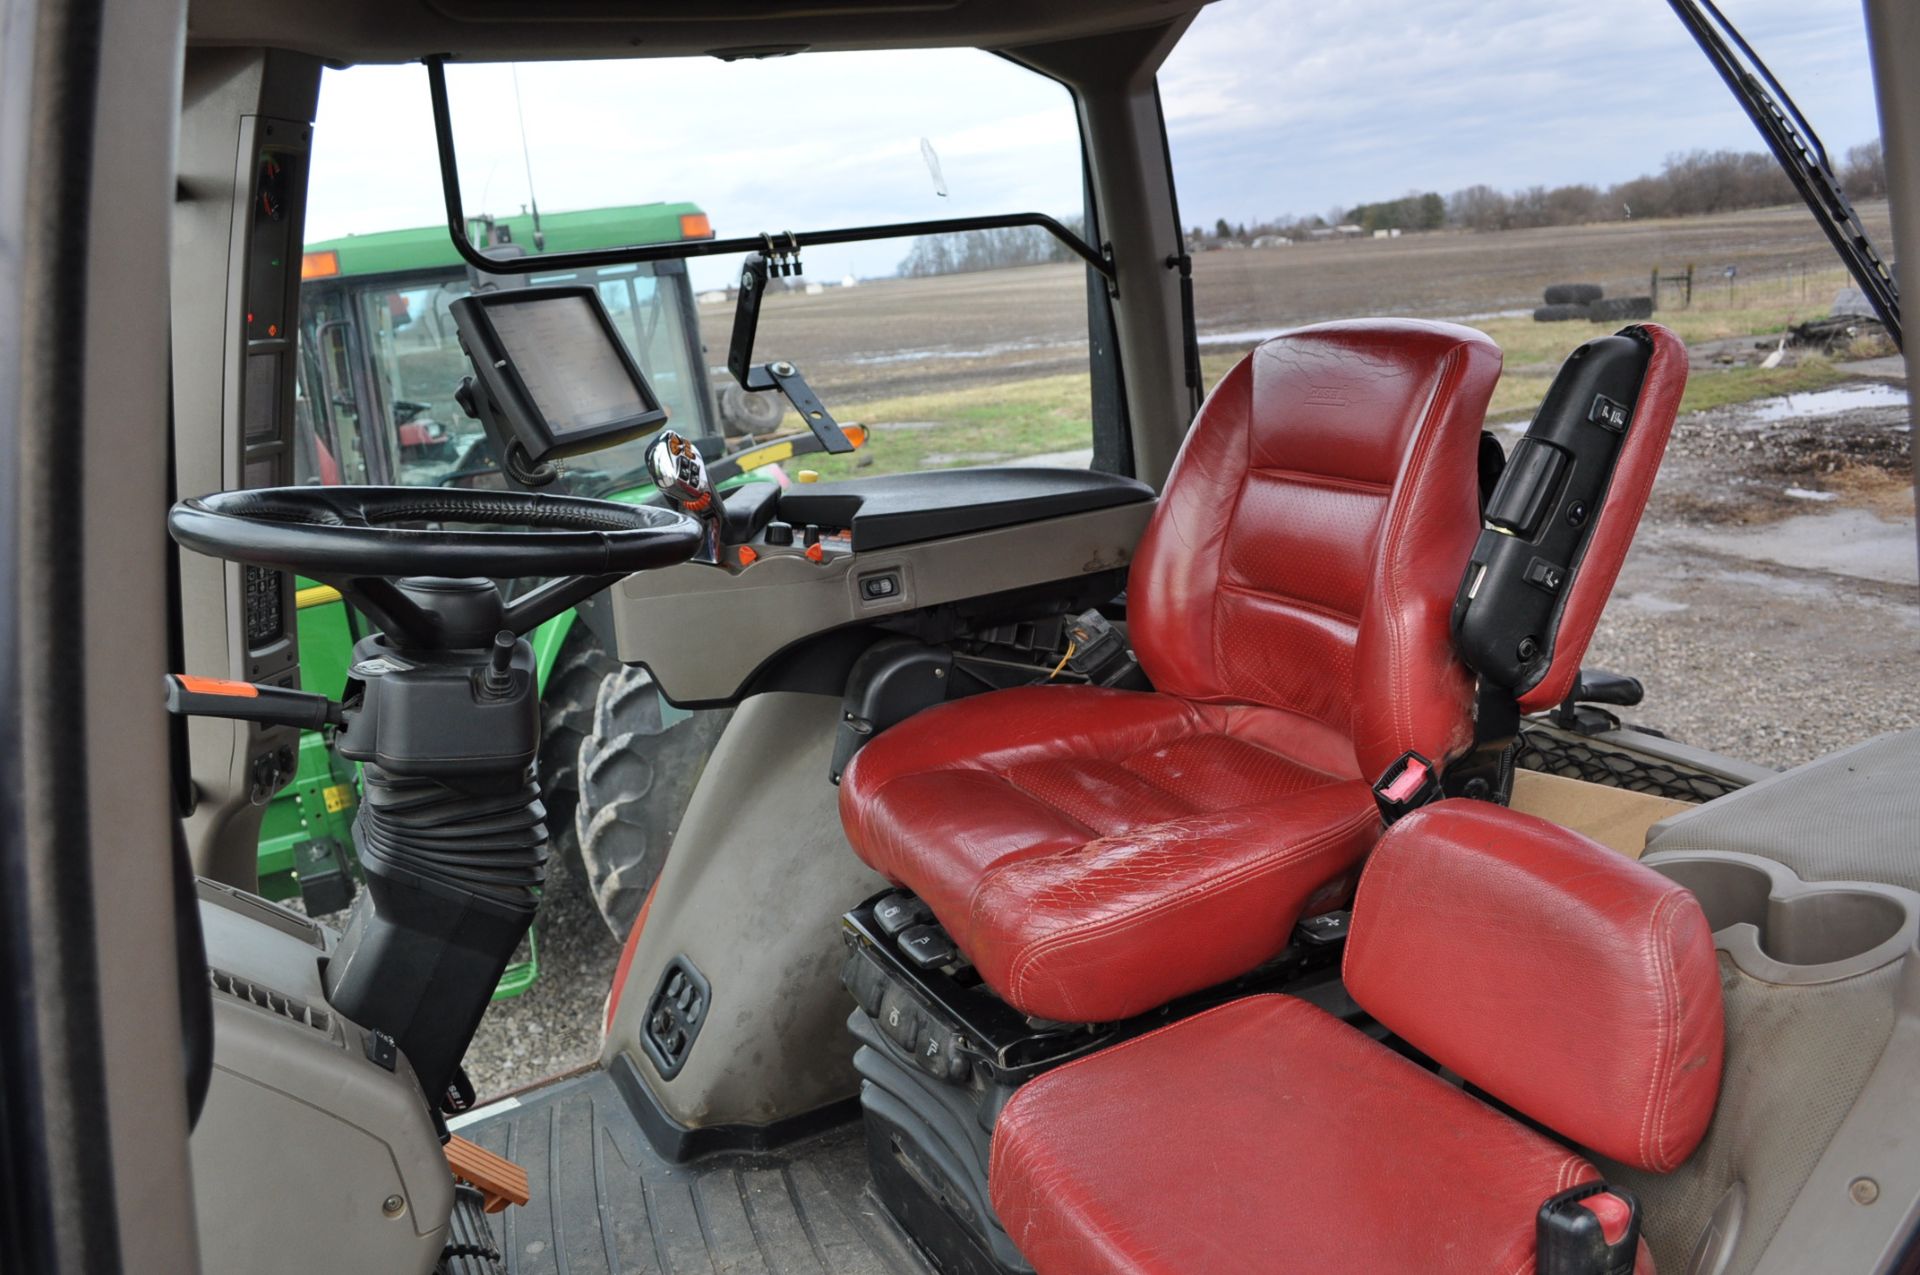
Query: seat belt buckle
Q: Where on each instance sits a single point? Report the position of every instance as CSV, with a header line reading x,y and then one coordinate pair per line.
x,y
1593,1229
1409,783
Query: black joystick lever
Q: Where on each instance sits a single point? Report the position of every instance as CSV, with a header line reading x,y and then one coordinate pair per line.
x,y
681,476
499,677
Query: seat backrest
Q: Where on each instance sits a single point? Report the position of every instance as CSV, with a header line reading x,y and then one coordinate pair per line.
x,y
1559,976
1313,532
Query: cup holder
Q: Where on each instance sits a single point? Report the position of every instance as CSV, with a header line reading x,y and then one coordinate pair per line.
x,y
1781,929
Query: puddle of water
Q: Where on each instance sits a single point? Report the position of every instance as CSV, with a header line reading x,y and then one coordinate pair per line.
x,y
1654,603
1844,398
1846,542
943,352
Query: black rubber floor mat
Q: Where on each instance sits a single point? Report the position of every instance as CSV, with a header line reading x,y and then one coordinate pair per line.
x,y
605,1204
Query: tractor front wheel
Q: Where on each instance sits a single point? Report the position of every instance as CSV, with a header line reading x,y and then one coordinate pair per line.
x,y
637,769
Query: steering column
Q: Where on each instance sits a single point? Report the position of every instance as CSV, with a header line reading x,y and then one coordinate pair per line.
x,y
442,710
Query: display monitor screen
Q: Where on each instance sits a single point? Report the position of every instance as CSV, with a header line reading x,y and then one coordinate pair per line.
x,y
567,359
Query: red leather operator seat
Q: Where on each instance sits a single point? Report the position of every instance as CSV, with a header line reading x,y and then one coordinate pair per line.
x,y
1560,977
1096,853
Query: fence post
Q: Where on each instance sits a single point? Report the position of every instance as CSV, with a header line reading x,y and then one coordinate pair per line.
x,y
1654,287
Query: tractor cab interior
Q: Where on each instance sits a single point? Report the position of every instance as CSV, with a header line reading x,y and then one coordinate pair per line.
x,y
1115,863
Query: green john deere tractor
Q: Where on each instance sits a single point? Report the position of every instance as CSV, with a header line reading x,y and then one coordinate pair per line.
x,y
380,365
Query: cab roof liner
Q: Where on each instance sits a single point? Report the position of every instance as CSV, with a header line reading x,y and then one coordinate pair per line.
x,y
350,31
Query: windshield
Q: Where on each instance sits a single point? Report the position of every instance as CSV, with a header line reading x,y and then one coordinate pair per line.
x,y
955,349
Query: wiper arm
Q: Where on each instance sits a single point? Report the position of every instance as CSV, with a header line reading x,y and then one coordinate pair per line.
x,y
1794,144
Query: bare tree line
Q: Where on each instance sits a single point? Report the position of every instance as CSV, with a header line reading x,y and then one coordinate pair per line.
x,y
1687,185
965,251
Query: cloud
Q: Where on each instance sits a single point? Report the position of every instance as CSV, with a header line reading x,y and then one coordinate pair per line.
x,y
1344,103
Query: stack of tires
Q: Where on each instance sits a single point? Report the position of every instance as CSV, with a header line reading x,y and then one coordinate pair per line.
x,y
1588,302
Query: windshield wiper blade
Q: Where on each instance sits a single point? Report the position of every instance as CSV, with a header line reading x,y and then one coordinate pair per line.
x,y
1794,143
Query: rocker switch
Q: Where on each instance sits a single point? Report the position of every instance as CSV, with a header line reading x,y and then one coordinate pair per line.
x,y
1608,414
928,946
898,911
382,1051
878,588
1545,575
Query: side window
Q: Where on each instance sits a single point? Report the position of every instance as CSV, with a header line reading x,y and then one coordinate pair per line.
x,y
328,448
417,365
1420,202
1492,188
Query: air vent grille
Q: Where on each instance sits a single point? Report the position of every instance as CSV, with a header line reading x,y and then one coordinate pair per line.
x,y
268,999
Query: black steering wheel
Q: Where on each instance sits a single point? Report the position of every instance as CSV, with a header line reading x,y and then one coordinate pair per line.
x,y
354,539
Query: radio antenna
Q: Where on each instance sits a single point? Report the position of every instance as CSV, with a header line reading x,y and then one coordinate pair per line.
x,y
526,157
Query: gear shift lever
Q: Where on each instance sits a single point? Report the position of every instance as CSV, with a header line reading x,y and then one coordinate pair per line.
x,y
681,476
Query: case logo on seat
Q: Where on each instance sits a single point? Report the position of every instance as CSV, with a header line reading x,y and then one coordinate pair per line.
x,y
1325,396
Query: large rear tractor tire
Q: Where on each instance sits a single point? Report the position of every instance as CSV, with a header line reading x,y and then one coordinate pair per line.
x,y
1621,309
638,766
1573,293
1559,313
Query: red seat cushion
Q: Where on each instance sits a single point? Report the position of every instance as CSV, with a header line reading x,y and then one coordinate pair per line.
x,y
1266,1135
1101,852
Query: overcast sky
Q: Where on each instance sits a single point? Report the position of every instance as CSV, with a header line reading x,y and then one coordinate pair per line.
x,y
1273,107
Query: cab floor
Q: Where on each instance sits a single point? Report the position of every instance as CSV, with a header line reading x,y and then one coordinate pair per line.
x,y
605,1203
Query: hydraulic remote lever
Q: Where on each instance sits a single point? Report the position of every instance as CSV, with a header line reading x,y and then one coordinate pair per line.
x,y
189,696
681,476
